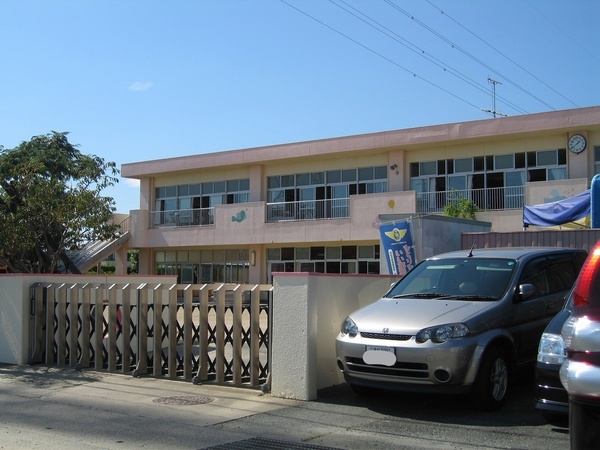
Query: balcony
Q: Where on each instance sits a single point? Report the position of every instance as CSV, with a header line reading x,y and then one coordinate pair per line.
x,y
308,210
489,199
183,218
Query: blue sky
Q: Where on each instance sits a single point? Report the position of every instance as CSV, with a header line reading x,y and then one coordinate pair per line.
x,y
137,80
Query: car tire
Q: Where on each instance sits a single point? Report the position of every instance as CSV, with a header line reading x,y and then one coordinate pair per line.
x,y
491,386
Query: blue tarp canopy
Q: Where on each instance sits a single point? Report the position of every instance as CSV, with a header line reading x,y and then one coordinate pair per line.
x,y
558,213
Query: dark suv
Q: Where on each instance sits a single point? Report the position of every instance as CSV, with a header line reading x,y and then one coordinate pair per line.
x,y
551,398
580,374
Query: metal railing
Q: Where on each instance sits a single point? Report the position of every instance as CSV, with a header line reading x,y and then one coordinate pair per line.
x,y
338,208
211,332
487,199
125,225
183,217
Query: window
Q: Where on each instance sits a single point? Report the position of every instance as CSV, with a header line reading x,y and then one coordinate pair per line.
x,y
548,158
428,168
596,159
320,195
494,182
320,259
205,266
188,204
504,162
463,165
554,274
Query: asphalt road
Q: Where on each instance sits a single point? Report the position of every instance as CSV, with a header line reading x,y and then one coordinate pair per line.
x,y
406,421
62,408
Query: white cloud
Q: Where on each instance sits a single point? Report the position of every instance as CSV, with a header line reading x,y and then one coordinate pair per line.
x,y
140,86
131,182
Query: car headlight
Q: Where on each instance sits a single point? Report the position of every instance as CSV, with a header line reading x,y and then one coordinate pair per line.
x,y
349,327
552,349
443,333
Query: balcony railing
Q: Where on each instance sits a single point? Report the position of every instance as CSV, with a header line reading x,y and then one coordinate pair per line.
x,y
489,199
309,210
182,217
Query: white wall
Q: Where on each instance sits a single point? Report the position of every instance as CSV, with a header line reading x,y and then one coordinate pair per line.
x,y
15,308
308,310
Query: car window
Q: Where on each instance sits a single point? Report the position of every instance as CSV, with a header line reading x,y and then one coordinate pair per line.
x,y
535,273
483,277
552,274
561,276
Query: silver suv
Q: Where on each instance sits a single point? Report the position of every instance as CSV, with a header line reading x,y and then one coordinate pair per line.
x,y
580,373
458,322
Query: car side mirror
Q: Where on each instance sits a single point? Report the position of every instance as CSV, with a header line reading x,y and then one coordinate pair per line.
x,y
526,291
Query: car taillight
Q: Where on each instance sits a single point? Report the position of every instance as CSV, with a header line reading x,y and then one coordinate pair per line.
x,y
587,284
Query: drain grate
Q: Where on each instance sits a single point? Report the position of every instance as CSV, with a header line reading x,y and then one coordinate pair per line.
x,y
184,400
267,444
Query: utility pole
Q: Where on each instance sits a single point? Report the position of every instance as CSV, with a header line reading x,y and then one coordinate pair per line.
x,y
493,110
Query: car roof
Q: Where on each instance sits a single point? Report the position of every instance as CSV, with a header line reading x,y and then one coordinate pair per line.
x,y
506,252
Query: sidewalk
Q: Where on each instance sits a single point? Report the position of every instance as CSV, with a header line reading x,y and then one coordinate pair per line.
x,y
48,408
60,408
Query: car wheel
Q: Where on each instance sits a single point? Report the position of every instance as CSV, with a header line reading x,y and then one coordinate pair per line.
x,y
363,391
491,385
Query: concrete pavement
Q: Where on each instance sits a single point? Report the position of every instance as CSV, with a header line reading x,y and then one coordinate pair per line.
x,y
61,408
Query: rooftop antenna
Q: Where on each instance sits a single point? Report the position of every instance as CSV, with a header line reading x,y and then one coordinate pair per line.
x,y
470,255
493,111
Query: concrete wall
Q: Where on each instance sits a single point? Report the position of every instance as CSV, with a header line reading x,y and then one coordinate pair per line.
x,y
552,191
438,234
308,310
433,234
15,306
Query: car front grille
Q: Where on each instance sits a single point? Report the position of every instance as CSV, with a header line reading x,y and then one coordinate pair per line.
x,y
386,336
400,369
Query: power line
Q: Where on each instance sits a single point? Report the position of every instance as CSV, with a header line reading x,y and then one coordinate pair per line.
x,y
463,51
558,27
502,54
379,55
419,51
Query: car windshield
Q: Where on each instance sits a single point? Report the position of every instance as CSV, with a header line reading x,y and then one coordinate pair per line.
x,y
460,278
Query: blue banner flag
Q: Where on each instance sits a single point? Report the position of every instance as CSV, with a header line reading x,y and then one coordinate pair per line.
x,y
398,247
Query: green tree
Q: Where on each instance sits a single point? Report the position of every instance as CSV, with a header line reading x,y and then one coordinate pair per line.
x,y
51,203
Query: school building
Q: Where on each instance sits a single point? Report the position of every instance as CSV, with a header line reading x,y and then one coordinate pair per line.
x,y
238,216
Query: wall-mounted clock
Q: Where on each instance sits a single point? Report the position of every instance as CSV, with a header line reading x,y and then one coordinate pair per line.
x,y
577,143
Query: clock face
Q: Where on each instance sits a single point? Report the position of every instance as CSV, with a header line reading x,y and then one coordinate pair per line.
x,y
577,143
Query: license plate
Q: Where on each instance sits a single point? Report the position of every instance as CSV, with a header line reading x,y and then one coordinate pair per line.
x,y
376,348
377,355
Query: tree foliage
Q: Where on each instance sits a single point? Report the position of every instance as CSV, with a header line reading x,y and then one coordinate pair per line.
x,y
51,203
460,206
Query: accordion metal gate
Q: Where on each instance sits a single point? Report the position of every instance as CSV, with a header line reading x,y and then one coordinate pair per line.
x,y
201,333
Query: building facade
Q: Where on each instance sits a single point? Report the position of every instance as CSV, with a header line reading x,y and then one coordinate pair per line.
x,y
238,216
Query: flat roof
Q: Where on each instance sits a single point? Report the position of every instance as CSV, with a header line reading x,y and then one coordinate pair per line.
x,y
406,139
